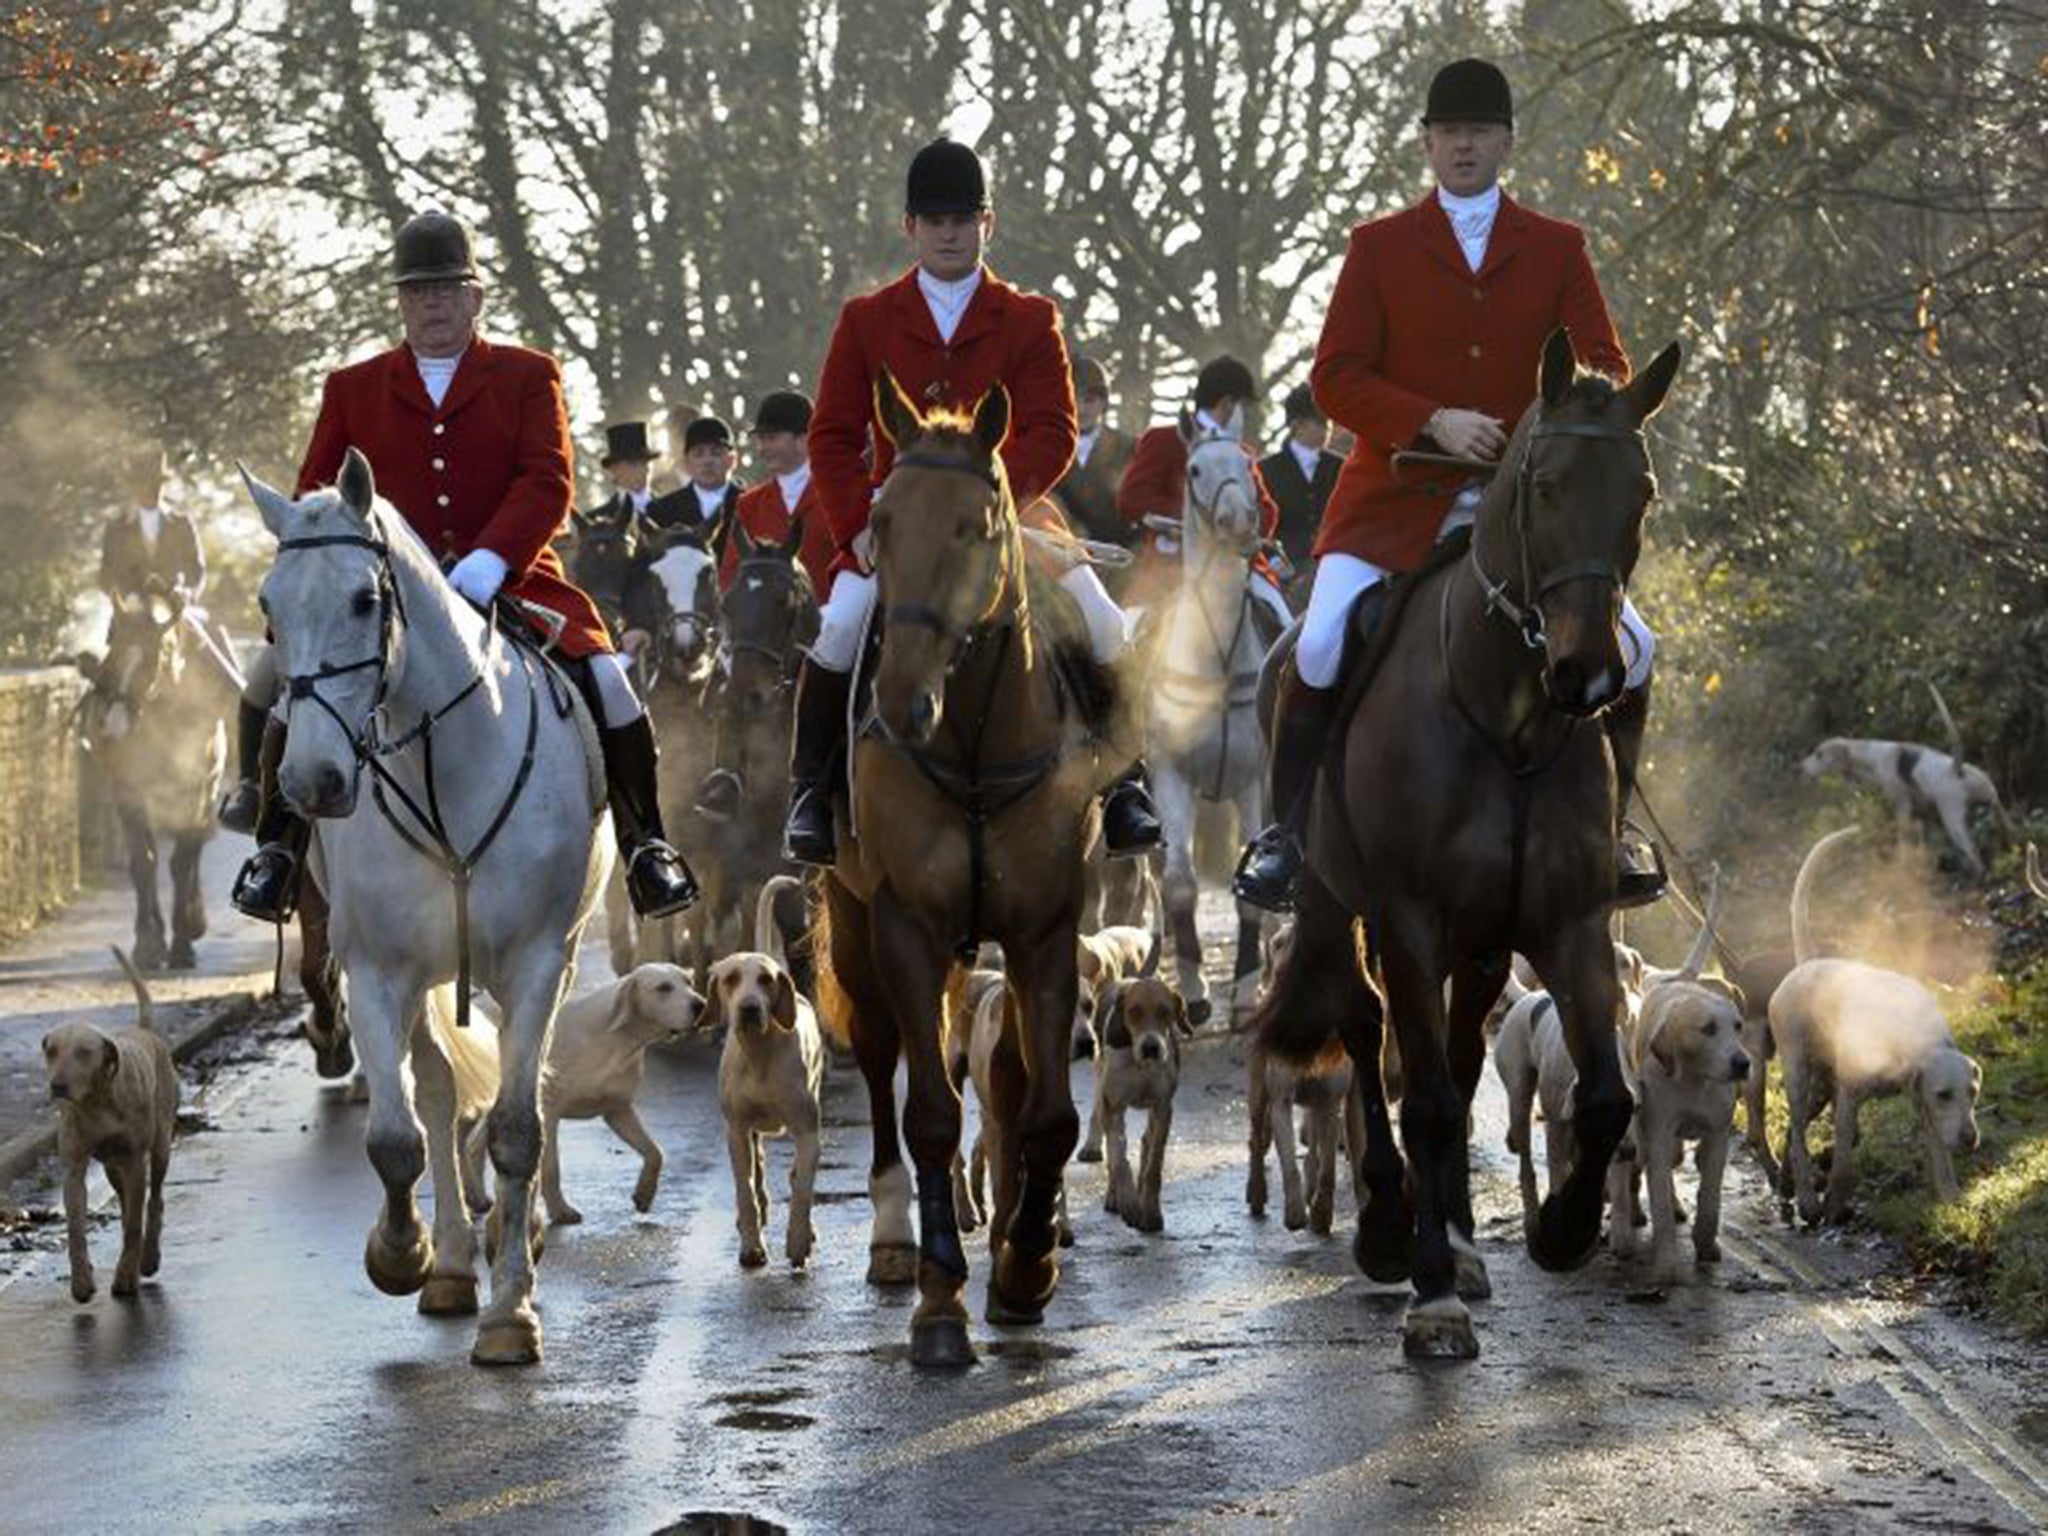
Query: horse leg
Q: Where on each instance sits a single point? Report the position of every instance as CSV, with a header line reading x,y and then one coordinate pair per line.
x,y
188,901
399,1254
1244,985
892,1245
450,1290
1324,979
509,1332
1433,1130
149,918
327,1013
1578,966
917,968
1179,889
1258,1109
1474,987
1027,1270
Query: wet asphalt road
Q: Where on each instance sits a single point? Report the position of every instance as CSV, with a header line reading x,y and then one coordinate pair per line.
x,y
1226,1375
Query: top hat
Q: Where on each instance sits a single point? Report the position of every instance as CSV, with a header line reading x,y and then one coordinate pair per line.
x,y
626,442
432,247
783,411
1470,91
706,430
1301,405
946,177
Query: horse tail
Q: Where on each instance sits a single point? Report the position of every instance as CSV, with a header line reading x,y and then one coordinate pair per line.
x,y
145,1010
768,932
835,1008
1803,947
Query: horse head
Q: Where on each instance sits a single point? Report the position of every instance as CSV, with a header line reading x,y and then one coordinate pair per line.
x,y
1220,508
687,570
331,602
769,610
946,548
1558,539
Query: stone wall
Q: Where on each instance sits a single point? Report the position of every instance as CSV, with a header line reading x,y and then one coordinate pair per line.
x,y
39,794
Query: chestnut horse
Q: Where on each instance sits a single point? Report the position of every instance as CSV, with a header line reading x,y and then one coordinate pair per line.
x,y
973,807
1467,810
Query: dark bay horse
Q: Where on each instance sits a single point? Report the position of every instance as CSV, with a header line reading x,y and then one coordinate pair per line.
x,y
1467,810
973,810
153,722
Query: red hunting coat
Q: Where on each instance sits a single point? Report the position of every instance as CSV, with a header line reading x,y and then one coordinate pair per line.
x,y
488,468
766,517
1412,327
1155,481
1006,336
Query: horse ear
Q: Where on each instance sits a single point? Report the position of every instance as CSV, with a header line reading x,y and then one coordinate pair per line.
x,y
745,539
1645,392
1186,424
794,539
1559,368
894,410
357,485
992,420
270,501
1234,427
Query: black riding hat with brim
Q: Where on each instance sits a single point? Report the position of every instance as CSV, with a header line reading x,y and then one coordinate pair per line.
x,y
705,432
1470,91
625,442
1301,405
946,177
432,247
783,411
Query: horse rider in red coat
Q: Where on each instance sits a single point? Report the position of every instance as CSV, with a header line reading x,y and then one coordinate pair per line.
x,y
1155,484
1432,341
949,330
469,440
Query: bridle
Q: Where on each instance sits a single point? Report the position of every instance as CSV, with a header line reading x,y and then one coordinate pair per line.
x,y
369,746
1527,615
923,616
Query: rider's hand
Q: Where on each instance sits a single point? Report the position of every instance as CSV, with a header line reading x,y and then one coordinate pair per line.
x,y
1468,434
478,575
864,551
634,641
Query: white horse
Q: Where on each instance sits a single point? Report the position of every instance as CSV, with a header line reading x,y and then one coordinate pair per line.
x,y
1203,739
475,761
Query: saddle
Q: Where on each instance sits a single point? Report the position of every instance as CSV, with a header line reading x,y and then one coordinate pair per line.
x,y
1376,619
570,688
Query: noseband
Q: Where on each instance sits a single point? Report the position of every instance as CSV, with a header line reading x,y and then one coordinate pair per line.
x,y
1527,615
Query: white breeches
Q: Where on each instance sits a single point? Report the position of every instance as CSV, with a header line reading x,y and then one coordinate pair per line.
x,y
1342,579
845,614
614,691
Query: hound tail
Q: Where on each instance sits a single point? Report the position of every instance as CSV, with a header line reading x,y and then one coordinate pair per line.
x,y
1803,947
471,1054
835,1008
145,1010
2035,883
1696,962
768,932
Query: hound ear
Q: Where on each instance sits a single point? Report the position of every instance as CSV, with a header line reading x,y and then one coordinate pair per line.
x,y
110,1061
893,409
1091,962
992,420
1109,1022
1661,1048
272,503
1559,368
357,485
785,1000
1645,392
624,996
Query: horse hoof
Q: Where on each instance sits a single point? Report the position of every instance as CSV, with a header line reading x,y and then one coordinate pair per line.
x,y
1198,1012
1001,1314
334,1061
941,1344
1439,1330
511,1341
1471,1279
448,1296
148,956
182,957
753,1256
398,1273
1088,1155
1025,1284
1383,1255
892,1264
1558,1242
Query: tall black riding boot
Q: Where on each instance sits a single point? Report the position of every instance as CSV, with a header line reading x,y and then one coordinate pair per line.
x,y
243,804
1130,821
1638,881
1270,871
267,888
658,881
821,699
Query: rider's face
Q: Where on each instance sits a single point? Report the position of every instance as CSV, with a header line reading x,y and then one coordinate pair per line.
x,y
628,474
1467,157
783,453
710,464
949,245
440,318
1091,409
